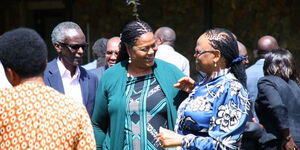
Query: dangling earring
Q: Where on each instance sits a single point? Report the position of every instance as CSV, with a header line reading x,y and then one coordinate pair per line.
x,y
215,65
129,60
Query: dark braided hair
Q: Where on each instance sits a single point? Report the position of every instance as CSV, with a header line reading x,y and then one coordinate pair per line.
x,y
224,41
130,34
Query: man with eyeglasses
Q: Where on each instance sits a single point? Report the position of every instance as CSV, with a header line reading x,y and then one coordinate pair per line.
x,y
64,73
111,54
112,51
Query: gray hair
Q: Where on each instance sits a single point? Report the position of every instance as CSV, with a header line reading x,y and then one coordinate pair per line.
x,y
167,35
99,47
58,36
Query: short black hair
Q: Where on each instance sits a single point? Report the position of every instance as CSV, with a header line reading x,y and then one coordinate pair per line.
x,y
24,51
280,62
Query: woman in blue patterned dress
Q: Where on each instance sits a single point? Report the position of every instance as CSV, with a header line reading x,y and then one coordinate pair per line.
x,y
215,113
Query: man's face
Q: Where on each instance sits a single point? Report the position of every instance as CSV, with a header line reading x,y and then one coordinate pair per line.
x,y
73,47
112,51
243,52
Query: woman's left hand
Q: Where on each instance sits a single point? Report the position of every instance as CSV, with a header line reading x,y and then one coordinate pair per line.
x,y
169,138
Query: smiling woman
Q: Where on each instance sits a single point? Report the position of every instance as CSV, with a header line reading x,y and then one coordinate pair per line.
x,y
136,96
215,113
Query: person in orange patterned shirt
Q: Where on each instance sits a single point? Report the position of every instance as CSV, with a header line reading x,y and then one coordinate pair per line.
x,y
33,115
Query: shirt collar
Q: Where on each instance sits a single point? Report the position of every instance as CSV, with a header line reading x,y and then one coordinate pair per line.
x,y
216,75
65,72
165,46
260,61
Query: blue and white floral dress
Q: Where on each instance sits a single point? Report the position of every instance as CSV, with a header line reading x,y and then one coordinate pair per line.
x,y
215,114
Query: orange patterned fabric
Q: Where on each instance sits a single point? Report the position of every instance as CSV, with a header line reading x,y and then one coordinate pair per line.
x,y
34,116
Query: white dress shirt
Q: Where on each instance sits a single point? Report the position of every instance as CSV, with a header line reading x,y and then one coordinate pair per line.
x,y
3,79
90,66
71,84
168,54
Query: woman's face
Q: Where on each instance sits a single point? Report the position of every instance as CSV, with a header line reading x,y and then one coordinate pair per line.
x,y
143,52
204,55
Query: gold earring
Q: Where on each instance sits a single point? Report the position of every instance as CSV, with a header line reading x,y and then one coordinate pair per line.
x,y
215,65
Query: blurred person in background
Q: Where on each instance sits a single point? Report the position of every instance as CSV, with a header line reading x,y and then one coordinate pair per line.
x,y
265,44
110,57
166,38
243,52
99,49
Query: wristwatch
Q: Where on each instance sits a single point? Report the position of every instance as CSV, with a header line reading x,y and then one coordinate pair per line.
x,y
288,138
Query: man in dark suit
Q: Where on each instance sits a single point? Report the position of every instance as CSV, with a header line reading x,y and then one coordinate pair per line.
x,y
64,73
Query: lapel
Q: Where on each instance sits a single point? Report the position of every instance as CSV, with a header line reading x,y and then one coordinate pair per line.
x,y
54,77
84,85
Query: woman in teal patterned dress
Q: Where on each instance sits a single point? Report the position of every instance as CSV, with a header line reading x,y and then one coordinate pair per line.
x,y
213,117
136,96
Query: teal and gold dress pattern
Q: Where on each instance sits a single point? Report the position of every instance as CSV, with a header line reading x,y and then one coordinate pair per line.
x,y
146,111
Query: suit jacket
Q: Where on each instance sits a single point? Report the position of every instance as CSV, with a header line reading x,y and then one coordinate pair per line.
x,y
254,72
278,106
88,83
98,71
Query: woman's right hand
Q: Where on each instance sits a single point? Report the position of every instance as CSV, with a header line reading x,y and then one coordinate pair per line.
x,y
287,141
186,84
169,138
289,145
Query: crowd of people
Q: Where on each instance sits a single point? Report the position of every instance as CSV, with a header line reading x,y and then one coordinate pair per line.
x,y
137,94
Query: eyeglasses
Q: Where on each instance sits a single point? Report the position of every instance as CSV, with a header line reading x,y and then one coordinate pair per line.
x,y
76,47
112,52
198,53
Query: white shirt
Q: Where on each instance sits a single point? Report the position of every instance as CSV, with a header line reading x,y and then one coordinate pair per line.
x,y
168,54
3,79
71,84
90,66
